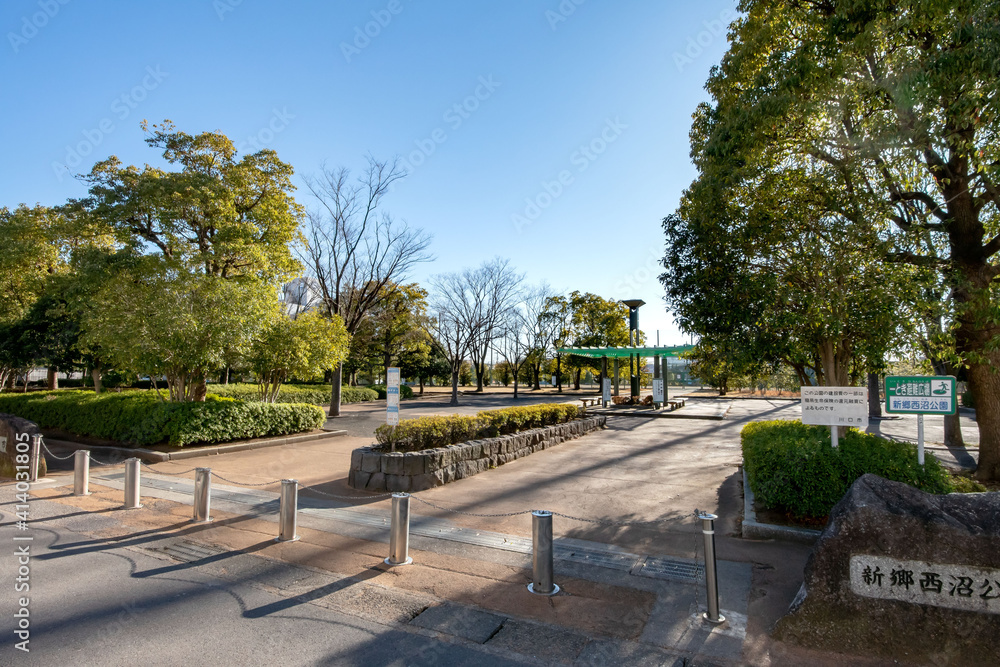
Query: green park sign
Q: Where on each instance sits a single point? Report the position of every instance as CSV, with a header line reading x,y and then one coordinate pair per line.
x,y
920,394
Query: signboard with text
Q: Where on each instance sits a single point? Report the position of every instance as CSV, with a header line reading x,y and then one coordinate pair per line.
x,y
920,394
835,406
657,390
392,397
606,390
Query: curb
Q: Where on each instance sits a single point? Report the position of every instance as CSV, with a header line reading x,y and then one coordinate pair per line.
x,y
754,530
150,456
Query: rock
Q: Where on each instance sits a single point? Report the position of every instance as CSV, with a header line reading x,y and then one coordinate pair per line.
x,y
376,482
414,463
371,461
397,483
900,573
392,463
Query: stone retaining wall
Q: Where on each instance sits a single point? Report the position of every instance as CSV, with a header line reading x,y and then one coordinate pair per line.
x,y
373,470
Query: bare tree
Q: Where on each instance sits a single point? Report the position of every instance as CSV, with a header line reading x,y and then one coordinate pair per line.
x,y
515,340
498,286
354,250
468,306
542,327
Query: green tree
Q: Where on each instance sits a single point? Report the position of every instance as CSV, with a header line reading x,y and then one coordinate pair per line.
x,y
153,319
896,103
304,348
220,214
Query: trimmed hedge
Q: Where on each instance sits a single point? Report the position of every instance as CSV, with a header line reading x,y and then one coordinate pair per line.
x,y
429,432
793,468
404,391
290,393
140,418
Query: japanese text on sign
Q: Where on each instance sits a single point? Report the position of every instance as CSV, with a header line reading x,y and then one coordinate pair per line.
x,y
953,586
835,406
920,394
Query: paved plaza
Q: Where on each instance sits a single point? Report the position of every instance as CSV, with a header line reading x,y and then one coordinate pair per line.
x,y
127,584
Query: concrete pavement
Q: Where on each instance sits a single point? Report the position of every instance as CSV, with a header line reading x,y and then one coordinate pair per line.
x,y
636,470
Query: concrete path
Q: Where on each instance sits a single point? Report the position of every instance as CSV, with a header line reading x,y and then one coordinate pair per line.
x,y
637,470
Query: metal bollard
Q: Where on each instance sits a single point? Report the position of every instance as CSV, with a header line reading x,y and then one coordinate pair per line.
x,y
34,463
287,513
541,554
399,532
711,575
132,484
81,473
202,495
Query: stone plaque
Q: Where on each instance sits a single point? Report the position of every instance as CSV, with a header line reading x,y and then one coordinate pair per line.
x,y
955,586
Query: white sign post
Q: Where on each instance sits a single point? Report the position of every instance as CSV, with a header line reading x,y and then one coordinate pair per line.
x,y
606,391
835,406
554,379
392,397
657,390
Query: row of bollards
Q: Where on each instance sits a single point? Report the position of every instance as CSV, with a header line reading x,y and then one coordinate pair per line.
x,y
542,553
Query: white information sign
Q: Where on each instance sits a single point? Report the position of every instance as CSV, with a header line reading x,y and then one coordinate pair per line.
x,y
953,586
606,390
835,406
392,397
3,444
554,378
657,390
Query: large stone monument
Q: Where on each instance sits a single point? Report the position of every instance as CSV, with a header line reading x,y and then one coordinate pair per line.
x,y
10,428
904,574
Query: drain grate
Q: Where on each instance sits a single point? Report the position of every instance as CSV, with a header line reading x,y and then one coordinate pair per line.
x,y
665,568
609,559
188,552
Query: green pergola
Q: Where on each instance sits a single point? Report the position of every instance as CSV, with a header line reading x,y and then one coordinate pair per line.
x,y
616,353
620,352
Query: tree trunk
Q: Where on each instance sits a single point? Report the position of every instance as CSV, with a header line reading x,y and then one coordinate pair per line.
x,y
576,378
95,373
559,372
52,378
480,372
337,375
952,423
985,384
200,390
454,386
874,400
515,386
536,370
420,379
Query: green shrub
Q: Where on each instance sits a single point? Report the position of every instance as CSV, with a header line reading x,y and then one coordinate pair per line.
x,y
793,468
430,432
404,391
140,418
965,484
291,393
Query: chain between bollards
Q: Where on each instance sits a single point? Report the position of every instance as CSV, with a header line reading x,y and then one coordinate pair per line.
x,y
542,554
132,484
711,574
81,473
399,531
202,495
287,512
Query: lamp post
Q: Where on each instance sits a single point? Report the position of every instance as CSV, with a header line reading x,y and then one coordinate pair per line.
x,y
633,341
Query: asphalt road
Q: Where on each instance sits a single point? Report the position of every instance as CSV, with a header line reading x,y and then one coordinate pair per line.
x,y
120,602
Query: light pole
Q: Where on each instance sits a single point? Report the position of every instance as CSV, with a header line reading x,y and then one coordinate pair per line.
x,y
633,341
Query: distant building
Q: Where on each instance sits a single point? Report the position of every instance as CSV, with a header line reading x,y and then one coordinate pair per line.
x,y
300,295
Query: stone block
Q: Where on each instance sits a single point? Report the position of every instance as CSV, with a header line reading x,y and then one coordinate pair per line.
x,y
356,459
426,481
371,462
397,483
376,482
392,463
414,463
899,572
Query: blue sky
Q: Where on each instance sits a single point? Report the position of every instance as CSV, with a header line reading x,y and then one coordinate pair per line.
x,y
533,130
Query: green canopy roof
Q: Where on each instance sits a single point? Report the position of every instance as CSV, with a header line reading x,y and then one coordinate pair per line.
x,y
598,352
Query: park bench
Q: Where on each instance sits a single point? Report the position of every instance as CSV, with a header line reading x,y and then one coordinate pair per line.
x,y
589,402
